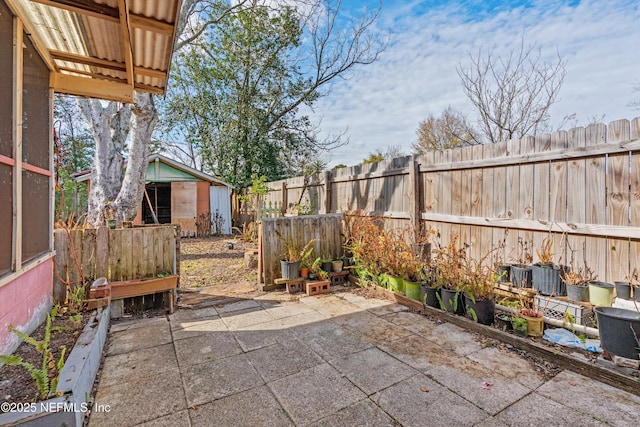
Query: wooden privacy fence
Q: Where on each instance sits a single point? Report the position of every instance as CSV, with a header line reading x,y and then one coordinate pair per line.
x,y
580,187
117,254
325,229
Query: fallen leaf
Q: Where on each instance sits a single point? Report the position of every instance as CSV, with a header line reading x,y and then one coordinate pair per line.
x,y
426,390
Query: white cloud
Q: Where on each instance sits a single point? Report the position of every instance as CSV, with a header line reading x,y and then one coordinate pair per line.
x,y
381,104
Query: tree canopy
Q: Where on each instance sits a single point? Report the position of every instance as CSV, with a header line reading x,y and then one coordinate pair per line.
x,y
236,91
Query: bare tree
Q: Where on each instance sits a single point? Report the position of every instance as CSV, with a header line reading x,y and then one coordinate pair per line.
x,y
449,130
512,94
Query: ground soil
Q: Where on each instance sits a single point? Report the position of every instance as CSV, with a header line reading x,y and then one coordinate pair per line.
x,y
16,384
210,271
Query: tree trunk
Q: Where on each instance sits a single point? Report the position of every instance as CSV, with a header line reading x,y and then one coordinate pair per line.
x,y
110,128
144,120
114,195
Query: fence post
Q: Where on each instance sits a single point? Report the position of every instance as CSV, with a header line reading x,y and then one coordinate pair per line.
x,y
102,249
327,192
284,198
414,198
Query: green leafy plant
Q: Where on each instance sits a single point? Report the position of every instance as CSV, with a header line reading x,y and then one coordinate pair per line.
x,y
519,325
46,376
316,267
292,250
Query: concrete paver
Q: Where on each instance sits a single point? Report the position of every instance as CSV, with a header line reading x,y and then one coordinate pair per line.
x,y
410,405
537,410
292,357
332,360
373,370
219,378
255,407
315,393
206,347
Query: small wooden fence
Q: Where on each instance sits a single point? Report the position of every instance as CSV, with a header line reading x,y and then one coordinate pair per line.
x,y
325,229
117,254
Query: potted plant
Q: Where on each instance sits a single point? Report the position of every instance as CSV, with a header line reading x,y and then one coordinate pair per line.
x,y
520,326
504,322
430,289
479,292
292,254
520,272
545,274
393,259
535,322
450,264
336,265
576,281
413,274
305,262
316,272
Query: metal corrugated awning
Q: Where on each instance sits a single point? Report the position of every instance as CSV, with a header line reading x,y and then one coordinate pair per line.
x,y
103,48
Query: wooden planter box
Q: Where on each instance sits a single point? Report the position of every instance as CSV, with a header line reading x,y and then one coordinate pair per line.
x,y
74,383
139,287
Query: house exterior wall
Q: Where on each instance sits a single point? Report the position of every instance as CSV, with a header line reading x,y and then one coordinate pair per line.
x,y
26,301
26,277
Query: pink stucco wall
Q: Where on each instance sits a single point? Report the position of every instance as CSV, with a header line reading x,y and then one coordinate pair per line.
x,y
24,303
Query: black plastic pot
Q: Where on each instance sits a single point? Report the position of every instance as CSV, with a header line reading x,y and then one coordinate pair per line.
x,y
429,296
618,330
546,280
521,275
503,322
480,310
453,301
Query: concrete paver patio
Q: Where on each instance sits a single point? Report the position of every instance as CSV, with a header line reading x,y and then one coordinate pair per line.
x,y
332,360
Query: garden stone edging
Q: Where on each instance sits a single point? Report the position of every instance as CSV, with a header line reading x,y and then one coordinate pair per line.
x,y
75,381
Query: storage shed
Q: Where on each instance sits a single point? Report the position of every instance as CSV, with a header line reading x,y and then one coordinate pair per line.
x,y
179,194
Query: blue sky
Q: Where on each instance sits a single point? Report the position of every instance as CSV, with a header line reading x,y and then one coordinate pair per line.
x,y
381,104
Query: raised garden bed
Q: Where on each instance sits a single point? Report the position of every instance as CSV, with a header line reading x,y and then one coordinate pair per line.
x,y
74,384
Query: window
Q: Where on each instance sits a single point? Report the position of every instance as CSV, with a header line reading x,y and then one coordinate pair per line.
x,y
6,139
35,155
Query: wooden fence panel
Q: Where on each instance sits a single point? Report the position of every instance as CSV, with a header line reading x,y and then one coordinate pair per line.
x,y
576,196
596,200
325,229
121,254
634,201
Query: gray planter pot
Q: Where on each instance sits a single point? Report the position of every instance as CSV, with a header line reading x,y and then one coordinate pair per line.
x,y
578,293
521,275
547,281
290,269
618,329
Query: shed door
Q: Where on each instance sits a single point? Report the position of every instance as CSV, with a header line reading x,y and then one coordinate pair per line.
x,y
184,206
220,200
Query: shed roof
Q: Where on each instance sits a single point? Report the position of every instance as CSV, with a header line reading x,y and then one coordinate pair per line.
x,y
151,176
103,48
183,168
